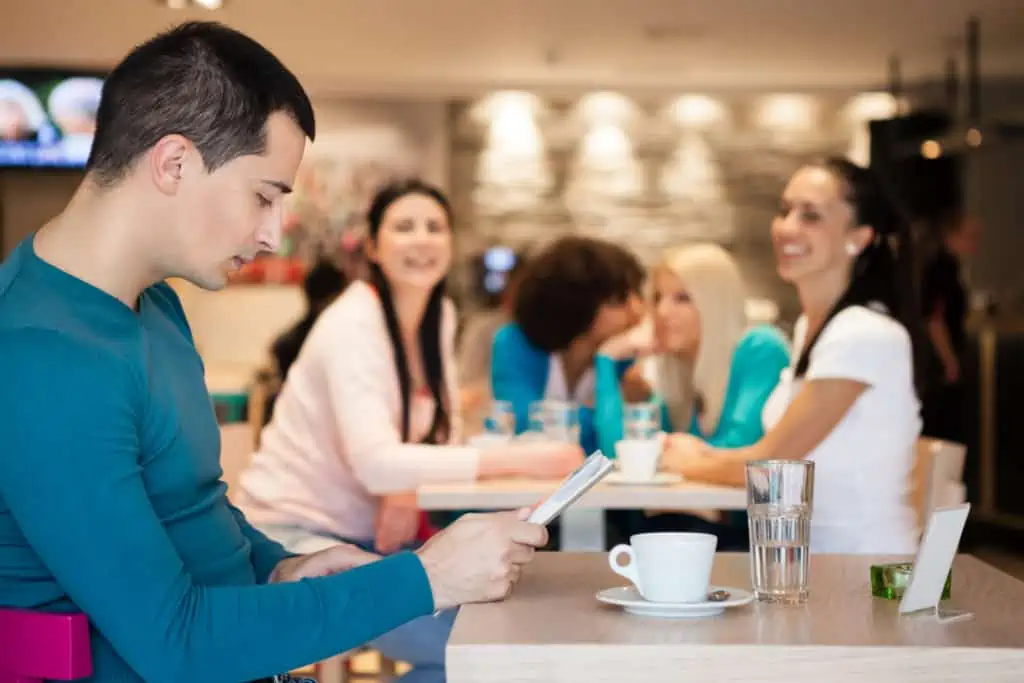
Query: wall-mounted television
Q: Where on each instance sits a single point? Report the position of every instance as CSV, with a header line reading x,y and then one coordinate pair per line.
x,y
47,117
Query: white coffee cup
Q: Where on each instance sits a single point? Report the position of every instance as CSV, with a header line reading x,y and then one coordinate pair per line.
x,y
638,458
668,566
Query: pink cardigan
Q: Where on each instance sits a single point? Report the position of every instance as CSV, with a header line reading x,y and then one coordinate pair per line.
x,y
334,444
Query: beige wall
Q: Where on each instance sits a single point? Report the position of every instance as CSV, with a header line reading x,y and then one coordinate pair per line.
x,y
28,199
649,182
234,328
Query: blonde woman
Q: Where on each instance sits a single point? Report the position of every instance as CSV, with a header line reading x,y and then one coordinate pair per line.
x,y
711,371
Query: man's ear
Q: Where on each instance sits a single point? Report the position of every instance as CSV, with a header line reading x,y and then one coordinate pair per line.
x,y
167,162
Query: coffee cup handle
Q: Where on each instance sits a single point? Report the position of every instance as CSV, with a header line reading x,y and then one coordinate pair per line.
x,y
629,570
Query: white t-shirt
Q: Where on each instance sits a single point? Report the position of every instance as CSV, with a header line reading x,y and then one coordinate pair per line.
x,y
863,467
557,388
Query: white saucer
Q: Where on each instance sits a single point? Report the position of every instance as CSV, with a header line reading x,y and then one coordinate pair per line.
x,y
660,479
486,440
628,597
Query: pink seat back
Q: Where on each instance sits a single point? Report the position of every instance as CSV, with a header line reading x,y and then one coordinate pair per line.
x,y
37,646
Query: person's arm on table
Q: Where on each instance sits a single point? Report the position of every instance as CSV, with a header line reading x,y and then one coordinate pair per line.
x,y
849,358
384,464
608,404
615,369
813,414
266,553
78,496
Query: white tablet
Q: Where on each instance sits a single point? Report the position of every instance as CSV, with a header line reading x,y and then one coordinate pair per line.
x,y
593,470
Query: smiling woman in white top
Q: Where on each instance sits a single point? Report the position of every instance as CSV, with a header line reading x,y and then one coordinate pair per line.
x,y
849,401
369,413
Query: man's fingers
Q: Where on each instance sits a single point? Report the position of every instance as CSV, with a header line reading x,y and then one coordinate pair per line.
x,y
521,554
533,535
523,514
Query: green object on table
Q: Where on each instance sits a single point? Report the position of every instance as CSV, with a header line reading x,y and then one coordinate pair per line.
x,y
890,581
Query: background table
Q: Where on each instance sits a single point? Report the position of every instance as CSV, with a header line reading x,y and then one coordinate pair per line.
x,y
583,523
553,630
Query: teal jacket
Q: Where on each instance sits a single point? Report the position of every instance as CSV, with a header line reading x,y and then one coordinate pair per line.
x,y
112,504
761,355
519,374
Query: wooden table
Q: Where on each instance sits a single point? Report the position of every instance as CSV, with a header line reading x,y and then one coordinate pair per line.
x,y
583,523
553,630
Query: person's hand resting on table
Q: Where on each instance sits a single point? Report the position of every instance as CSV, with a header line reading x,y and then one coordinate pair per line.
x,y
532,459
328,561
688,455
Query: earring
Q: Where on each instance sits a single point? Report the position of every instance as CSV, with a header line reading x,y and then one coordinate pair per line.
x,y
851,248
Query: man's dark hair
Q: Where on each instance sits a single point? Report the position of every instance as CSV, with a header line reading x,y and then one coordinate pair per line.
x,y
564,287
205,81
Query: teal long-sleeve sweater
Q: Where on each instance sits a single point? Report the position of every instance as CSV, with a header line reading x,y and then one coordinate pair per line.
x,y
111,500
519,375
761,355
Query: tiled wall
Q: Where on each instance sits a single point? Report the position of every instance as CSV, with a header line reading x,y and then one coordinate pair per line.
x,y
648,174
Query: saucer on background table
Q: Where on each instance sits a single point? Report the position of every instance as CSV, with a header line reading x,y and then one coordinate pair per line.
x,y
487,440
629,598
660,479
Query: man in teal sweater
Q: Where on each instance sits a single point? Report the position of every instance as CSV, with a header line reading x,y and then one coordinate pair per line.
x,y
110,495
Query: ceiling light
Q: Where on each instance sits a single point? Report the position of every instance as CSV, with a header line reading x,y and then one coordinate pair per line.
x,y
182,4
606,108
871,106
697,111
790,113
930,149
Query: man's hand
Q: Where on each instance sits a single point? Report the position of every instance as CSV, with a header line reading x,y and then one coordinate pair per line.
x,y
398,521
480,557
328,561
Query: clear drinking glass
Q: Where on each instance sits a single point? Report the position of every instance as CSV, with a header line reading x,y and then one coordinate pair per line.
x,y
537,420
501,420
780,494
555,420
640,421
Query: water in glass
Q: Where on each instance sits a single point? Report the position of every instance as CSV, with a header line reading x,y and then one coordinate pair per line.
x,y
502,419
640,421
556,420
779,539
780,495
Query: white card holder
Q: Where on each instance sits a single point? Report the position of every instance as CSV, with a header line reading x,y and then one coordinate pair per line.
x,y
933,563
